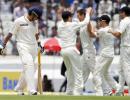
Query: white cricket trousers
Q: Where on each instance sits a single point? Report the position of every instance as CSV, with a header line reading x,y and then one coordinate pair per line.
x,y
88,61
125,64
74,73
88,65
27,54
103,65
121,78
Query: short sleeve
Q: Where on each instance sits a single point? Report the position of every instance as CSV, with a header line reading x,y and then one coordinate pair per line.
x,y
15,27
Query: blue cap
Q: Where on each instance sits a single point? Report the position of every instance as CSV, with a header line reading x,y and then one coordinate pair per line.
x,y
35,10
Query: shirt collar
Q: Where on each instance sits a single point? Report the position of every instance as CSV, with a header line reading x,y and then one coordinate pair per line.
x,y
25,17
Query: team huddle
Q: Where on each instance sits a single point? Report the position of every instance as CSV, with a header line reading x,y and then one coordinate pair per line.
x,y
78,69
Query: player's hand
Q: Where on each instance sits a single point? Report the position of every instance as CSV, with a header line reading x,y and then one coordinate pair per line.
x,y
41,48
2,51
89,11
2,48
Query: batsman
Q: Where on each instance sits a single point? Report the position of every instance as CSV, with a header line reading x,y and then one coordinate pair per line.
x,y
25,29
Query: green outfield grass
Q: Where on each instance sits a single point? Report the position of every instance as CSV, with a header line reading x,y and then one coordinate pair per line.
x,y
50,97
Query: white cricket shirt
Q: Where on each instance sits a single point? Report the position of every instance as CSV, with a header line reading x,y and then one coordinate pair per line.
x,y
106,42
86,40
67,31
25,30
124,29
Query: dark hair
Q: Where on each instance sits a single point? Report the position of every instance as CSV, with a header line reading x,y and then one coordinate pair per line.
x,y
81,12
66,15
126,10
106,18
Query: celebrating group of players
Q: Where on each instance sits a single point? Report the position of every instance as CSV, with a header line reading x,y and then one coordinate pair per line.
x,y
79,68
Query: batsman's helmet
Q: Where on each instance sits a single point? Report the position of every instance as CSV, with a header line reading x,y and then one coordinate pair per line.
x,y
36,11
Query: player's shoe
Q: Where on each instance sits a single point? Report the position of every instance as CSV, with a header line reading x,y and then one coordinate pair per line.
x,y
33,93
69,93
19,92
108,94
99,93
119,94
77,93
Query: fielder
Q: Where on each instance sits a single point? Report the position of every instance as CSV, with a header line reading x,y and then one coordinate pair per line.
x,y
26,30
106,55
71,56
124,33
88,58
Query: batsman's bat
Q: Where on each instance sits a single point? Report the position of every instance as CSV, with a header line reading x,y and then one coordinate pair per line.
x,y
39,72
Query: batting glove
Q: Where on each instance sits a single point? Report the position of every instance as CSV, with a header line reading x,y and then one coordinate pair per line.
x,y
40,46
2,48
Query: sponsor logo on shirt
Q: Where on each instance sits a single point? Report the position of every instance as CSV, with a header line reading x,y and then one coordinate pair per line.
x,y
23,24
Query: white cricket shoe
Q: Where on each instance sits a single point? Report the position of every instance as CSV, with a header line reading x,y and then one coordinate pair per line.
x,y
99,93
119,93
19,92
108,94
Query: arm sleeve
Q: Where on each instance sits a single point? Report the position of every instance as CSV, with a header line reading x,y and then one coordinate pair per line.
x,y
77,25
122,27
15,28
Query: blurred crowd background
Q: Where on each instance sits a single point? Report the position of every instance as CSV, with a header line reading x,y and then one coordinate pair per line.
x,y
52,10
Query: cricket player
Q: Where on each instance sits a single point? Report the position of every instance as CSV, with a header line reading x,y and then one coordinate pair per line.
x,y
106,55
71,56
26,30
88,58
124,33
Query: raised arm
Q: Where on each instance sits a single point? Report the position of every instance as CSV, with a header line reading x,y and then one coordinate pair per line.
x,y
91,30
86,20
